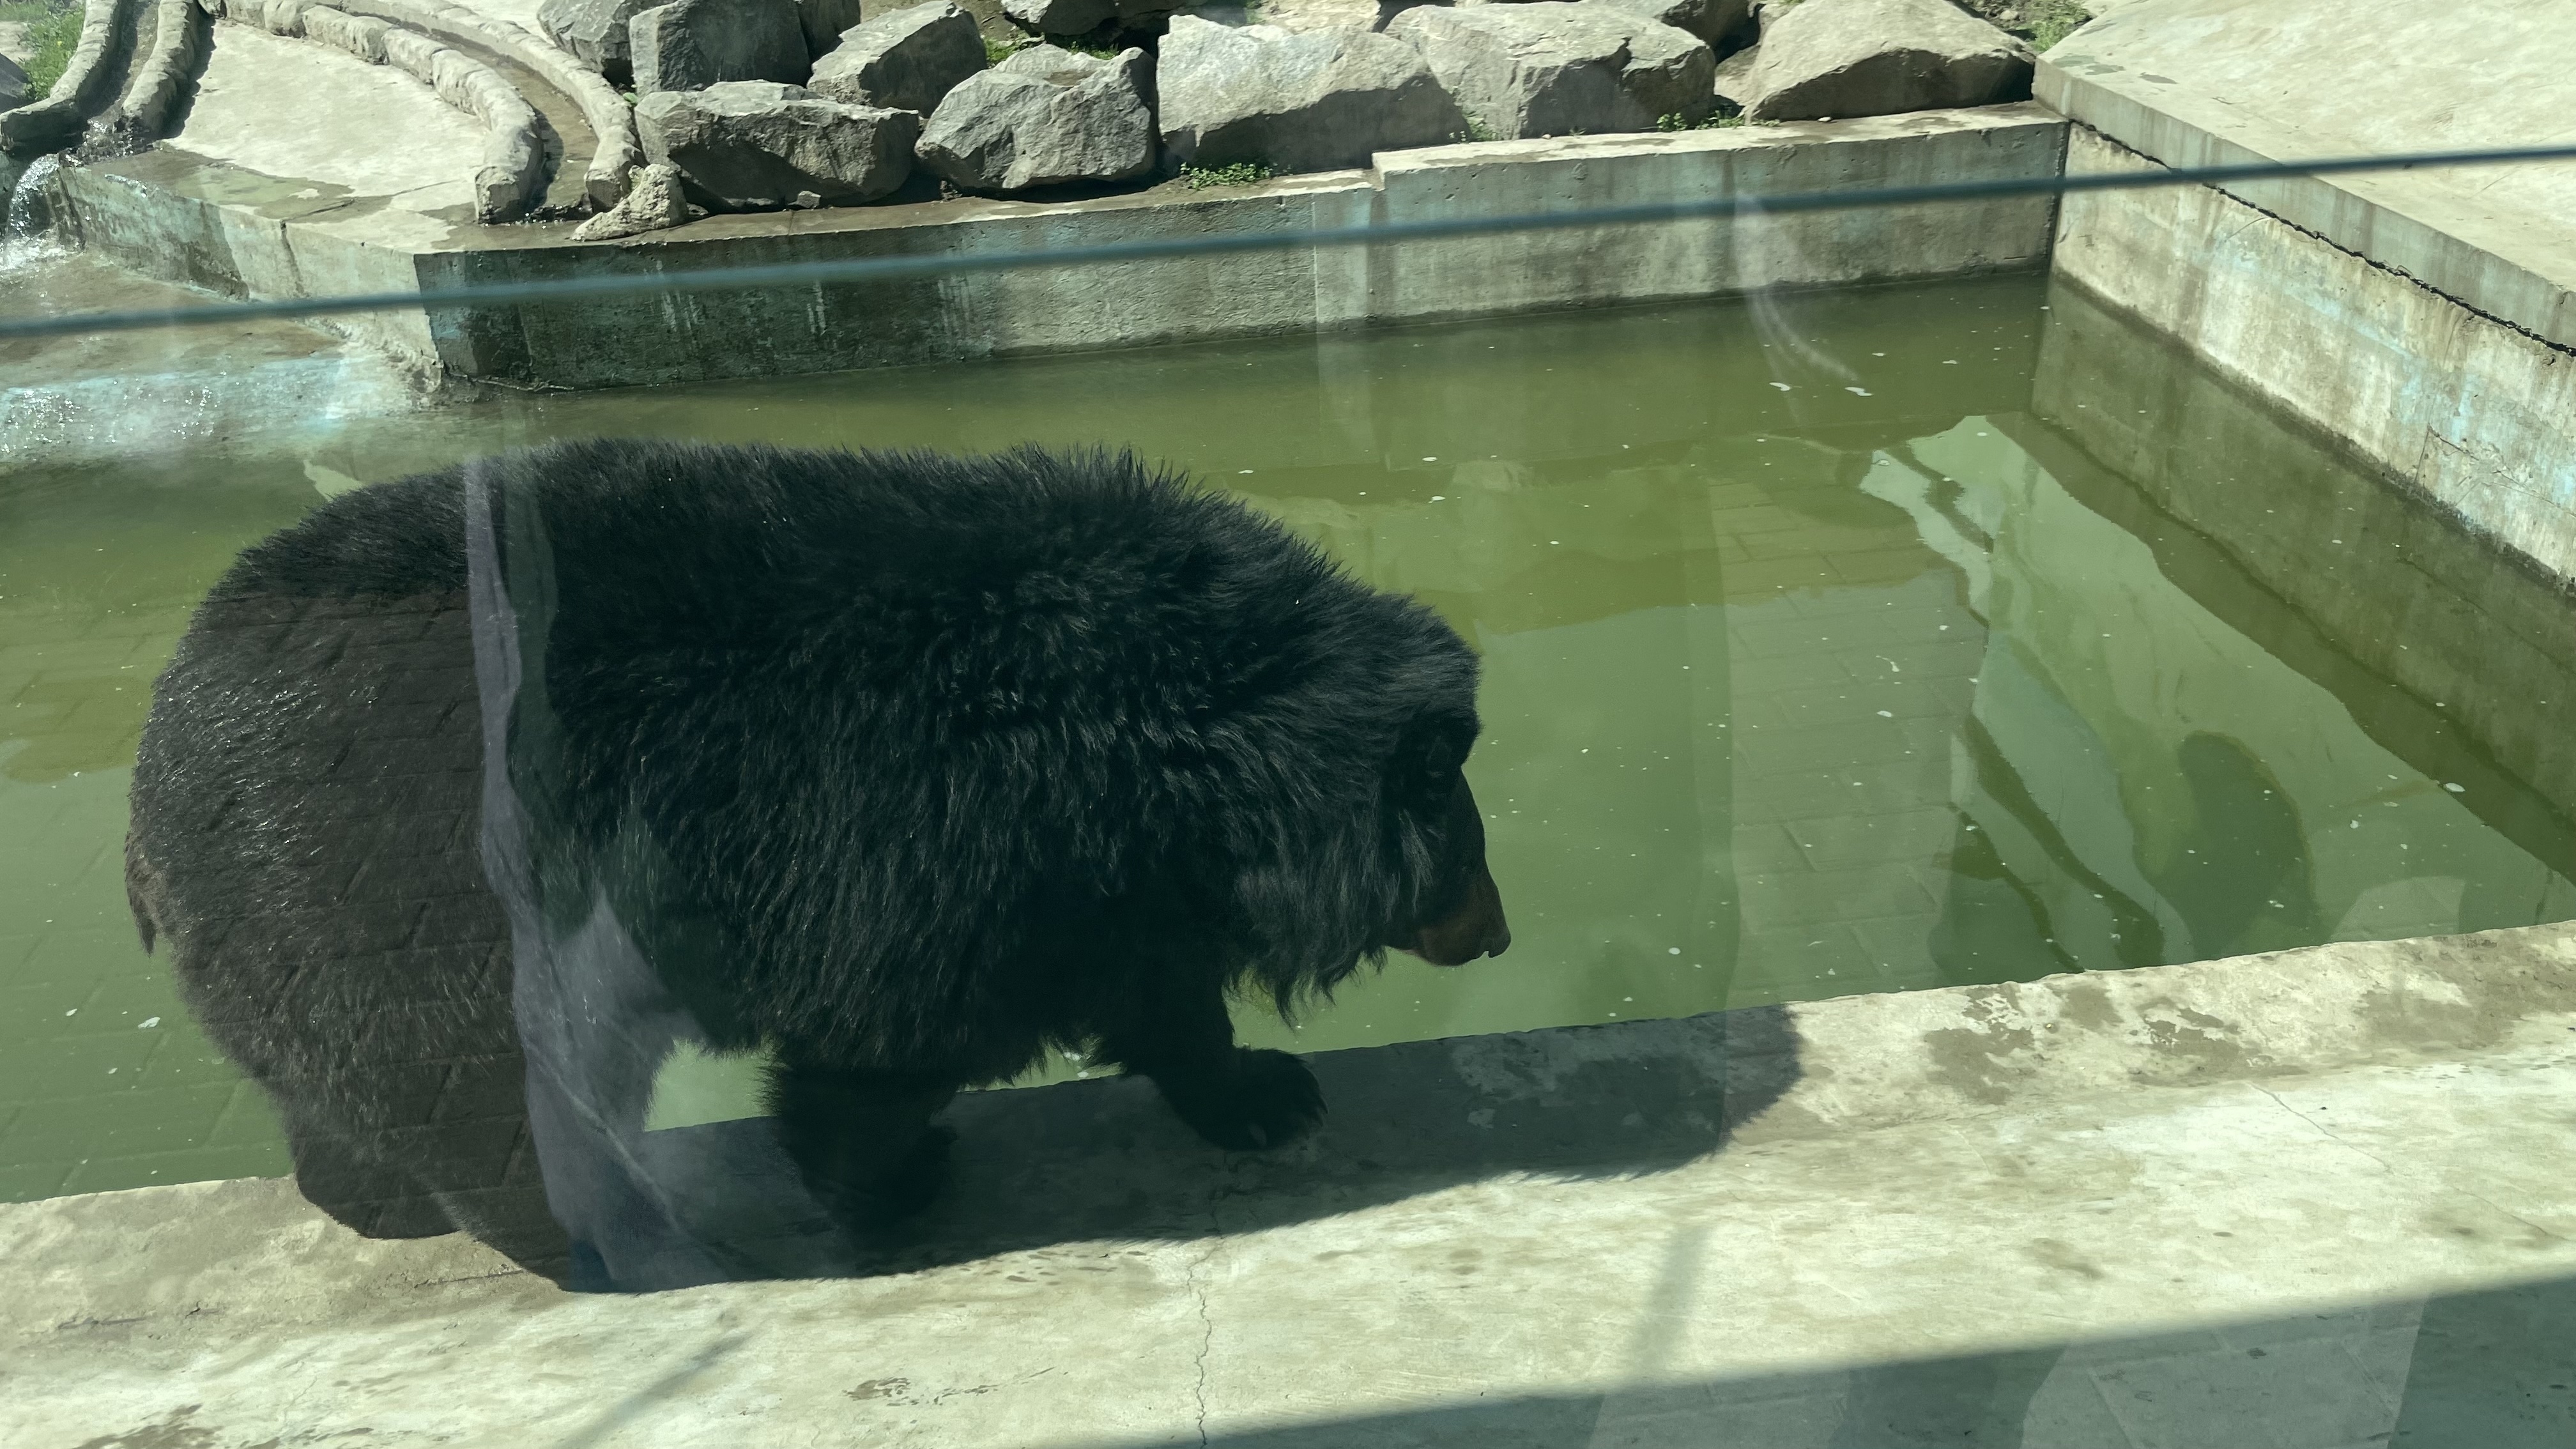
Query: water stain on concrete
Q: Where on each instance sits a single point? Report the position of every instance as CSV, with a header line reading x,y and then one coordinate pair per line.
x,y
1977,1061
2193,1044
2051,1253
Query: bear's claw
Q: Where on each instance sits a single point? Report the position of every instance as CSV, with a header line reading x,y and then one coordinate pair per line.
x,y
1267,1099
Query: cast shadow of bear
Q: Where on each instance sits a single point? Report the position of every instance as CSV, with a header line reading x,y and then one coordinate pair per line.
x,y
1106,1159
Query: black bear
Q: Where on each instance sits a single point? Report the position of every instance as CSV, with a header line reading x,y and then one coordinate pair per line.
x,y
901,766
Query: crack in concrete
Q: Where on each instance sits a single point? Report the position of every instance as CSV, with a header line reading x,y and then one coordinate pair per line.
x,y
2327,1132
1197,1281
1207,1341
2386,1166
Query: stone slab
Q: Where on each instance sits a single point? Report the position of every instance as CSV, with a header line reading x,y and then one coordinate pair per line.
x,y
2082,1207
124,395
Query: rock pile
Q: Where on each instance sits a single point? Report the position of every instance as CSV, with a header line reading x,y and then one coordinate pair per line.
x,y
905,59
1562,67
1296,102
749,104
754,145
1045,117
689,45
1878,57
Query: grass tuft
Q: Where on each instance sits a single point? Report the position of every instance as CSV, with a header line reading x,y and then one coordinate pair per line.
x,y
1677,122
1241,173
53,33
2053,20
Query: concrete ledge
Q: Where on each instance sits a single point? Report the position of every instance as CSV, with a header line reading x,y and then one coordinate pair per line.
x,y
2218,82
178,215
1552,1238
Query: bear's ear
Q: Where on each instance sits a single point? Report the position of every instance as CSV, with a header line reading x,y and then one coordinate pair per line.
x,y
1422,773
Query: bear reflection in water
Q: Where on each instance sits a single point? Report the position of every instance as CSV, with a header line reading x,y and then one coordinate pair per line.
x,y
471,795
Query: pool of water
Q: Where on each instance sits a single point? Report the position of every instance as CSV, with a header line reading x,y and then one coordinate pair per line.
x,y
1833,644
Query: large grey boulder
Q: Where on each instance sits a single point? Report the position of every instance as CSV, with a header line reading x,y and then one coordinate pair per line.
x,y
750,145
1555,68
904,60
1878,57
1081,17
13,84
1044,117
1710,20
823,21
593,30
692,44
1295,102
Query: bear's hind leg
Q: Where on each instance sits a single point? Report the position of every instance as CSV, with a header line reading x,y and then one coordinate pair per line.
x,y
371,1198
1239,1098
864,1141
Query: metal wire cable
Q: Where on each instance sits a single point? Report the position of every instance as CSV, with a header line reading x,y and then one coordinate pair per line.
x,y
888,269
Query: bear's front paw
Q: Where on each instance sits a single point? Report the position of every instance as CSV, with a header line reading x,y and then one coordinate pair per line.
x,y
885,1198
1265,1099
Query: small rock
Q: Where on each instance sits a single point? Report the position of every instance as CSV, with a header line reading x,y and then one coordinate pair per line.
x,y
593,30
1880,57
692,44
1295,102
1554,68
13,83
904,60
1044,117
753,145
1710,20
653,203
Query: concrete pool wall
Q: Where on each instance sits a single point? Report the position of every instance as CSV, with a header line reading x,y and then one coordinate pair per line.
x,y
174,214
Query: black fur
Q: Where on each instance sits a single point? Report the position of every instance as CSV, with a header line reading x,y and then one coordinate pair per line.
x,y
906,766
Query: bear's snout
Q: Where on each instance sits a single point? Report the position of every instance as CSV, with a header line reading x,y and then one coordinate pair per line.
x,y
1476,928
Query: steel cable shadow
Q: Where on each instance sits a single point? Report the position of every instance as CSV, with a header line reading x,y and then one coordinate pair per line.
x,y
2487,1367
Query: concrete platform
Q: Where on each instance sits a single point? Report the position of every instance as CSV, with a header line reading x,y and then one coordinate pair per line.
x,y
2309,1199
2220,82
228,226
289,108
2421,320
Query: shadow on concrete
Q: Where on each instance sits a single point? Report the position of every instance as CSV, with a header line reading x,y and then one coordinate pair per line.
x,y
1085,1160
2490,1369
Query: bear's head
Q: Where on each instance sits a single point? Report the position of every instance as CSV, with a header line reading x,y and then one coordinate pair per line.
x,y
1454,914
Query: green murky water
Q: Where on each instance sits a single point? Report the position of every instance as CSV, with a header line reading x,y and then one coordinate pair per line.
x,y
1865,642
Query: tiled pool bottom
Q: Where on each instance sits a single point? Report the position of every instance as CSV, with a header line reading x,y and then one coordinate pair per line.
x,y
1821,657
